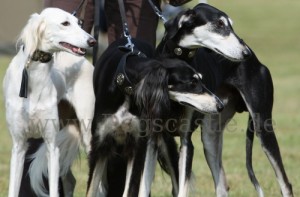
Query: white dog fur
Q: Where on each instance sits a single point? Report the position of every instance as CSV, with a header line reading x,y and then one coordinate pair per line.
x,y
65,76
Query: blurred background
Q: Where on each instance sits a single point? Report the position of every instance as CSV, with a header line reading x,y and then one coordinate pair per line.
x,y
271,28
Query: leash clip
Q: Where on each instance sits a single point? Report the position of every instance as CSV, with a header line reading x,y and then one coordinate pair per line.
x,y
157,12
129,43
160,15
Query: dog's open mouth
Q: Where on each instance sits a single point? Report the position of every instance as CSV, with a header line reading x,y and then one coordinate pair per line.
x,y
74,49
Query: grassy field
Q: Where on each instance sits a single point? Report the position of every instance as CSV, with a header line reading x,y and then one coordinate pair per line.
x,y
271,28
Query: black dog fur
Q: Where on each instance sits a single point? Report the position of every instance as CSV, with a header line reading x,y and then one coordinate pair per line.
x,y
149,102
247,85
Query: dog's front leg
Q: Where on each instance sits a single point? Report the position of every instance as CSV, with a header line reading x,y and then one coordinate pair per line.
x,y
135,165
130,163
53,167
212,139
212,145
149,167
98,184
50,128
16,166
185,163
186,153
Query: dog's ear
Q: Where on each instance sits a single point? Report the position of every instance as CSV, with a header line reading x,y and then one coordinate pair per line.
x,y
187,20
184,18
32,33
172,27
152,94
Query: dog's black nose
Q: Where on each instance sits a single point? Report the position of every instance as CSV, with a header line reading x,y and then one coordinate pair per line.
x,y
246,53
220,106
91,42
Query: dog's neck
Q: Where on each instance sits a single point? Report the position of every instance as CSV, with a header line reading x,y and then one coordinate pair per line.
x,y
172,49
121,78
41,56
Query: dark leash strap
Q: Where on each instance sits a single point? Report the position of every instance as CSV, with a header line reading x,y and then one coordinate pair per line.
x,y
74,13
125,25
81,6
157,12
96,28
173,3
121,78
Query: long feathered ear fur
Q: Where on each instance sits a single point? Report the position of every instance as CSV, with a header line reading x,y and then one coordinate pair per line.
x,y
173,25
32,33
152,97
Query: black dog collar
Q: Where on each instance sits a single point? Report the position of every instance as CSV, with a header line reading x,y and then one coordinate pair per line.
x,y
41,56
38,55
121,78
183,53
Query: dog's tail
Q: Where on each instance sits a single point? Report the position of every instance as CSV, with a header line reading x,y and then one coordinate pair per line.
x,y
68,140
249,147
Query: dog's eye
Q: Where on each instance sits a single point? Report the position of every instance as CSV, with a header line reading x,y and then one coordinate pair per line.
x,y
66,23
188,24
220,23
194,82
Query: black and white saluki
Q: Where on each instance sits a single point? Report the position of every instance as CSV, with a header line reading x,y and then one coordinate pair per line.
x,y
137,98
32,110
233,71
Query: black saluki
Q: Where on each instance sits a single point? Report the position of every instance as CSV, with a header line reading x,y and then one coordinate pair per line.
x,y
237,77
137,98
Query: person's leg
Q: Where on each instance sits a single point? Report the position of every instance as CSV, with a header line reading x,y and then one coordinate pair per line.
x,y
142,20
89,16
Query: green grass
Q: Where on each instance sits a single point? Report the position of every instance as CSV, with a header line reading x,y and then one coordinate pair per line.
x,y
272,29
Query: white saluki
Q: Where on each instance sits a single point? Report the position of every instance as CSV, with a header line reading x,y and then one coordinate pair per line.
x,y
33,87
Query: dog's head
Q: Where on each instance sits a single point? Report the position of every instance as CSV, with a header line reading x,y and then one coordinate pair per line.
x,y
206,26
55,30
186,88
173,79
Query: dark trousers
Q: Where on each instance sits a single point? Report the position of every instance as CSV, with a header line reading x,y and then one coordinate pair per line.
x,y
142,20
